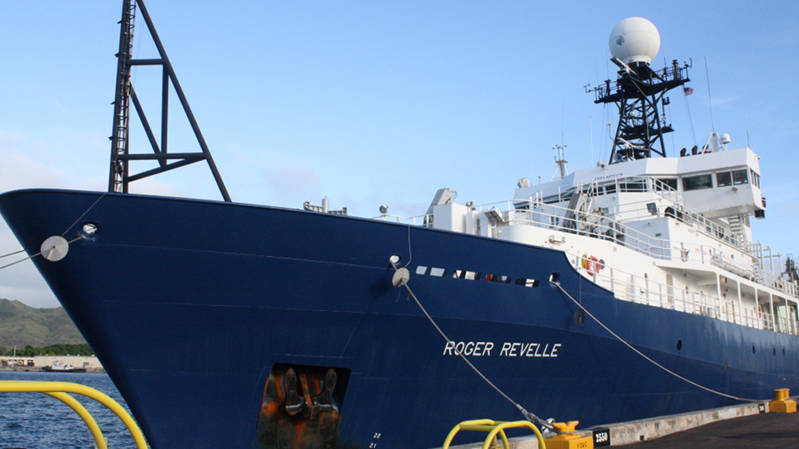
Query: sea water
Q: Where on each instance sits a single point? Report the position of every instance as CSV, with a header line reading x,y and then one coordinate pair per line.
x,y
38,421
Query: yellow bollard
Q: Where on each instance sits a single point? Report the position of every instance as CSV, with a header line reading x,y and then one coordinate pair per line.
x,y
782,402
569,439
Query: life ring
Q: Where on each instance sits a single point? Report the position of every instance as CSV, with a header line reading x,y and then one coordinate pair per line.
x,y
591,264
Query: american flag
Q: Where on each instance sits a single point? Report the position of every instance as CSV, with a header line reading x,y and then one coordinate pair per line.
x,y
687,90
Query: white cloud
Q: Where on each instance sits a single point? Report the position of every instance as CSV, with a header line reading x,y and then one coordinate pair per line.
x,y
292,181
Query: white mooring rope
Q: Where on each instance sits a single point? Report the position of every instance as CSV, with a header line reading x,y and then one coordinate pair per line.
x,y
644,356
11,254
403,282
79,237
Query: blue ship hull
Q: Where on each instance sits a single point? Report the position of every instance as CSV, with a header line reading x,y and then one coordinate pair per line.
x,y
196,309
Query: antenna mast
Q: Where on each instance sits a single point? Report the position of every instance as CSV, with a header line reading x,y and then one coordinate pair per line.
x,y
639,91
560,160
119,174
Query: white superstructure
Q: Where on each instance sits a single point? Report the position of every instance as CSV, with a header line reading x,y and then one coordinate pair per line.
x,y
668,232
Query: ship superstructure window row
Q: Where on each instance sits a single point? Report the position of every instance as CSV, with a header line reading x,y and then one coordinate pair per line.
x,y
646,184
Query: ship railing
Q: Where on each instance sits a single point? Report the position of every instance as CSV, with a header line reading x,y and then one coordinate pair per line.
x,y
636,211
725,262
557,218
642,290
634,184
416,220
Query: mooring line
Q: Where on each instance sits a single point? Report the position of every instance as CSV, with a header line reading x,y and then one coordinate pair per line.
x,y
84,213
79,237
11,254
403,282
644,356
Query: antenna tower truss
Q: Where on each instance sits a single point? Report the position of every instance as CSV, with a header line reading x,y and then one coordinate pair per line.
x,y
639,93
119,176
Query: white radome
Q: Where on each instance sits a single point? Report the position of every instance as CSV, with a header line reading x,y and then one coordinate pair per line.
x,y
634,39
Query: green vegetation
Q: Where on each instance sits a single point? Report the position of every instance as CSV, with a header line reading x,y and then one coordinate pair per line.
x,y
60,349
22,325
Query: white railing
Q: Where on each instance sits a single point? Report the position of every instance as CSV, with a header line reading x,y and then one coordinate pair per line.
x,y
601,227
642,290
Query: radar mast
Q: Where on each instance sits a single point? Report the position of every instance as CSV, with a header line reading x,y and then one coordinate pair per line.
x,y
639,91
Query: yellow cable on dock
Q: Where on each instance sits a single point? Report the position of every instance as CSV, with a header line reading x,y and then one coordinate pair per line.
x,y
57,389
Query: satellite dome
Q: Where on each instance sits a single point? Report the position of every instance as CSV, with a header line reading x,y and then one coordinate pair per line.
x,y
634,39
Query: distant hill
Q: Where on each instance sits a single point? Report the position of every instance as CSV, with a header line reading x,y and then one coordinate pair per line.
x,y
23,325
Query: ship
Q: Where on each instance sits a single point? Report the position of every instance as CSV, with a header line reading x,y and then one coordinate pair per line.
x,y
627,290
58,367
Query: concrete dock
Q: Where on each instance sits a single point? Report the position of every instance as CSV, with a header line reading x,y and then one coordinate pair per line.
x,y
748,425
762,431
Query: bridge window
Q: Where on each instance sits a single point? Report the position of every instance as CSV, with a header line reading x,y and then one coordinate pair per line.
x,y
739,177
755,178
724,179
698,182
670,182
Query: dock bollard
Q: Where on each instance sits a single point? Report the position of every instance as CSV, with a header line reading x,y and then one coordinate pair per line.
x,y
782,402
569,439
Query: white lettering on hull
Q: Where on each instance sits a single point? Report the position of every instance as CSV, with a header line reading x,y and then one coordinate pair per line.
x,y
508,349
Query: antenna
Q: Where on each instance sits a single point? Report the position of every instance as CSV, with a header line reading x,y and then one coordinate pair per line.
x,y
119,176
746,119
639,91
709,98
591,137
560,160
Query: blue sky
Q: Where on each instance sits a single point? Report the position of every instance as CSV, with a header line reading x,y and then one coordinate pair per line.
x,y
376,103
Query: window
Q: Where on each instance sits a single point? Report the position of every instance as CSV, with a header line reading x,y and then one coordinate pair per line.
x,y
724,179
633,187
437,272
739,177
755,178
670,182
610,188
697,182
527,282
472,275
501,278
421,269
